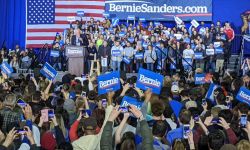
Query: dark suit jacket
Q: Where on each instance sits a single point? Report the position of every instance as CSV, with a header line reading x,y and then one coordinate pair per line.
x,y
84,42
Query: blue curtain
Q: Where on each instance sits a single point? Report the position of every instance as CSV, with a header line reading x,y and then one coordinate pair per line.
x,y
12,23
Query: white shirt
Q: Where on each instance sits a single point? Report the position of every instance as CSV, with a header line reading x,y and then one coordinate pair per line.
x,y
188,53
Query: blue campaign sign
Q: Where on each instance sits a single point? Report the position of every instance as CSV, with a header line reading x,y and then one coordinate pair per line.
x,y
126,60
131,39
108,82
176,107
131,17
199,78
115,22
122,34
80,13
244,95
148,79
198,55
54,53
126,101
161,10
116,52
106,15
139,55
210,92
48,71
219,50
6,68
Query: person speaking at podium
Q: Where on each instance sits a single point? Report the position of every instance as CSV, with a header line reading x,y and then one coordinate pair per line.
x,y
79,39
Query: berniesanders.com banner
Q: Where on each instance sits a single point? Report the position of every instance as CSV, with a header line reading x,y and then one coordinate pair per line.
x,y
161,10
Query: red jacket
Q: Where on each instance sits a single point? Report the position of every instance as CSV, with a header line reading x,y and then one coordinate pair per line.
x,y
230,33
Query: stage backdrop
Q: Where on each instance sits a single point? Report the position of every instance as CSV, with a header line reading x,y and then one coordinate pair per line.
x,y
161,10
13,18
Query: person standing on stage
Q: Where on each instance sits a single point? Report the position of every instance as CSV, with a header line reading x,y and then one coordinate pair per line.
x,y
116,52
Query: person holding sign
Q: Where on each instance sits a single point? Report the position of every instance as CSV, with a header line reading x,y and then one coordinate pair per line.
x,y
188,55
210,58
219,57
128,54
199,55
116,52
139,56
104,55
150,57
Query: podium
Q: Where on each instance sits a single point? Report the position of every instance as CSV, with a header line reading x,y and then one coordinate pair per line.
x,y
75,55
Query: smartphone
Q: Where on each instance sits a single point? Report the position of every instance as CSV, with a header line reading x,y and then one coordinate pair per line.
x,y
51,113
104,103
123,109
203,101
86,111
21,103
20,131
215,120
83,94
196,117
186,130
243,121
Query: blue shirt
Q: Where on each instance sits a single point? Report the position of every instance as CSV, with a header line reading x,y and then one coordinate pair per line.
x,y
175,134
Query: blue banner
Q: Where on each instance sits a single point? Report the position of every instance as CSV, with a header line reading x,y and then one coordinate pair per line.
x,y
54,53
219,50
116,52
48,71
176,107
148,79
126,60
139,56
6,68
199,78
198,55
80,13
131,101
210,92
161,10
108,82
244,95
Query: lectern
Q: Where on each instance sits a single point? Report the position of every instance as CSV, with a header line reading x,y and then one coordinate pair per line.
x,y
76,55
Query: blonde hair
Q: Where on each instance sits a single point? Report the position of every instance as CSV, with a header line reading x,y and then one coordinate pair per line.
x,y
243,144
178,145
61,125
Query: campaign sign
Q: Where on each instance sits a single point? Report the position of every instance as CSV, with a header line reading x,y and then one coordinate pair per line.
x,y
198,55
106,15
210,92
161,10
210,52
216,44
195,23
178,36
80,13
131,17
54,53
148,79
108,82
244,95
139,55
177,20
115,22
145,45
219,50
176,107
48,71
131,39
126,60
142,19
116,52
199,78
122,34
126,101
71,19
6,68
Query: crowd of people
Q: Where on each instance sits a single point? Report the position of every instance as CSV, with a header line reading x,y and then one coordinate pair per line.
x,y
37,113
152,46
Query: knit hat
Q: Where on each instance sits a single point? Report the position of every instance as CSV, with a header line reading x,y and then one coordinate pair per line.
x,y
48,141
89,123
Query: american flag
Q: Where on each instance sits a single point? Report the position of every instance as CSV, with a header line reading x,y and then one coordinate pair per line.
x,y
47,17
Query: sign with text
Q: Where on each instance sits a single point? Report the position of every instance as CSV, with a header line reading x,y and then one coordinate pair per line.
x,y
210,52
199,78
126,101
6,68
210,92
198,55
108,82
244,95
161,10
148,79
48,71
